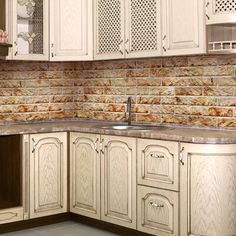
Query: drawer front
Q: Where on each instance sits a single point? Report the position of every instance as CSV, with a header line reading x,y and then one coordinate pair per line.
x,y
158,211
11,215
158,164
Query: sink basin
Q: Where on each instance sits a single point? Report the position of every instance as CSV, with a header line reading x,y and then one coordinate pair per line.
x,y
127,127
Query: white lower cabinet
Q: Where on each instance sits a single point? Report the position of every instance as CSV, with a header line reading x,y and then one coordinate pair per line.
x,y
48,174
116,156
158,211
11,215
208,190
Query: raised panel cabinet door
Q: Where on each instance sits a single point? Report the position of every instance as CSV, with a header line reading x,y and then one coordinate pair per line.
x,y
48,174
158,211
143,28
118,176
109,19
11,215
71,30
208,190
183,24
158,163
85,174
30,29
220,11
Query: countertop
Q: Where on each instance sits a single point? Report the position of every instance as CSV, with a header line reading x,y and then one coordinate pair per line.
x,y
181,134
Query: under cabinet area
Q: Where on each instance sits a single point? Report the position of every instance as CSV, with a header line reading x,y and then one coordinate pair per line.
x,y
208,190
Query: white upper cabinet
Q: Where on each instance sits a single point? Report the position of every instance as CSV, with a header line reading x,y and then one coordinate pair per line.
x,y
71,30
29,29
109,29
183,24
220,11
143,28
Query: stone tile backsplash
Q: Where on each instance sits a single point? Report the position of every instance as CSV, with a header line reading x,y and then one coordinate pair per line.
x,y
193,91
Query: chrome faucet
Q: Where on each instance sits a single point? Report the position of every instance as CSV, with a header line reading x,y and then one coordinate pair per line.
x,y
129,103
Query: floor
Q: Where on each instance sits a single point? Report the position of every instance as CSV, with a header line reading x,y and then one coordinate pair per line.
x,y
69,228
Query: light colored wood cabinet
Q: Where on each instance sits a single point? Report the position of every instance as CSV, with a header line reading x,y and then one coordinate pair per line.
x,y
118,180
85,175
208,190
183,27
158,163
158,211
11,215
48,174
71,30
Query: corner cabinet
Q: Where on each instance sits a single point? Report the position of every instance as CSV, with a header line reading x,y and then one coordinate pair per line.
x,y
112,160
48,174
208,190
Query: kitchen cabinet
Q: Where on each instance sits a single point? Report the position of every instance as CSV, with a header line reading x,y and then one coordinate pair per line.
x,y
158,211
48,174
208,190
114,198
57,30
85,175
183,27
71,30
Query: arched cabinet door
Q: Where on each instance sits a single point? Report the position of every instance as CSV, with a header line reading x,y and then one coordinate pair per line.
x,y
48,174
85,174
118,175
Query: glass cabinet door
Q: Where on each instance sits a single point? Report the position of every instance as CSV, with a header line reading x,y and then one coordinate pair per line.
x,y
30,30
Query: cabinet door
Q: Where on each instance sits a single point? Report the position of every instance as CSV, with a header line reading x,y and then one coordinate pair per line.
x,y
71,30
30,29
85,175
48,174
208,190
11,215
158,211
183,27
220,11
118,184
143,28
109,29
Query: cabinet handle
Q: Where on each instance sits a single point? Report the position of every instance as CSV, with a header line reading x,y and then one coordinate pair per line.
x,y
120,45
16,46
96,145
52,50
127,46
207,14
34,145
102,146
157,156
181,158
163,43
156,205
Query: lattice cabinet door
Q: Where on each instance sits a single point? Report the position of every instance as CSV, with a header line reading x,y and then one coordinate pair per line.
x,y
48,174
208,190
220,11
30,29
109,29
183,27
143,28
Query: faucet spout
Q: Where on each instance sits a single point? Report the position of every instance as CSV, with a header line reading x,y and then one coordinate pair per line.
x,y
129,111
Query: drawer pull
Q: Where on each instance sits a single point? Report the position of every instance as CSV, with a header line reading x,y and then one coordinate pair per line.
x,y
157,156
156,205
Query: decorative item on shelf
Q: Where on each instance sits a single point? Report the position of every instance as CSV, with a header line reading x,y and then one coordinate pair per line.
x,y
29,37
25,8
3,36
4,45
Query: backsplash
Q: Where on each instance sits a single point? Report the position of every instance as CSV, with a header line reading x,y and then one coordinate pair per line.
x,y
194,90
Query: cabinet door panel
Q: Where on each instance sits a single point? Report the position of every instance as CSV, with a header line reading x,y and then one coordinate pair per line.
x,y
208,190
143,28
48,174
11,215
158,164
157,211
119,181
85,175
183,27
71,30
109,29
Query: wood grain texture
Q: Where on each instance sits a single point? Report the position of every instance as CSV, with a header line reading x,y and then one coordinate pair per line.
x,y
85,175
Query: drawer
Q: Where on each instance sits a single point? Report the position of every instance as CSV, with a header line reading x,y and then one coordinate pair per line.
x,y
11,215
158,211
158,164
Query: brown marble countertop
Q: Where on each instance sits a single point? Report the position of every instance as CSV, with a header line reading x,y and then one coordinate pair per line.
x,y
181,134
